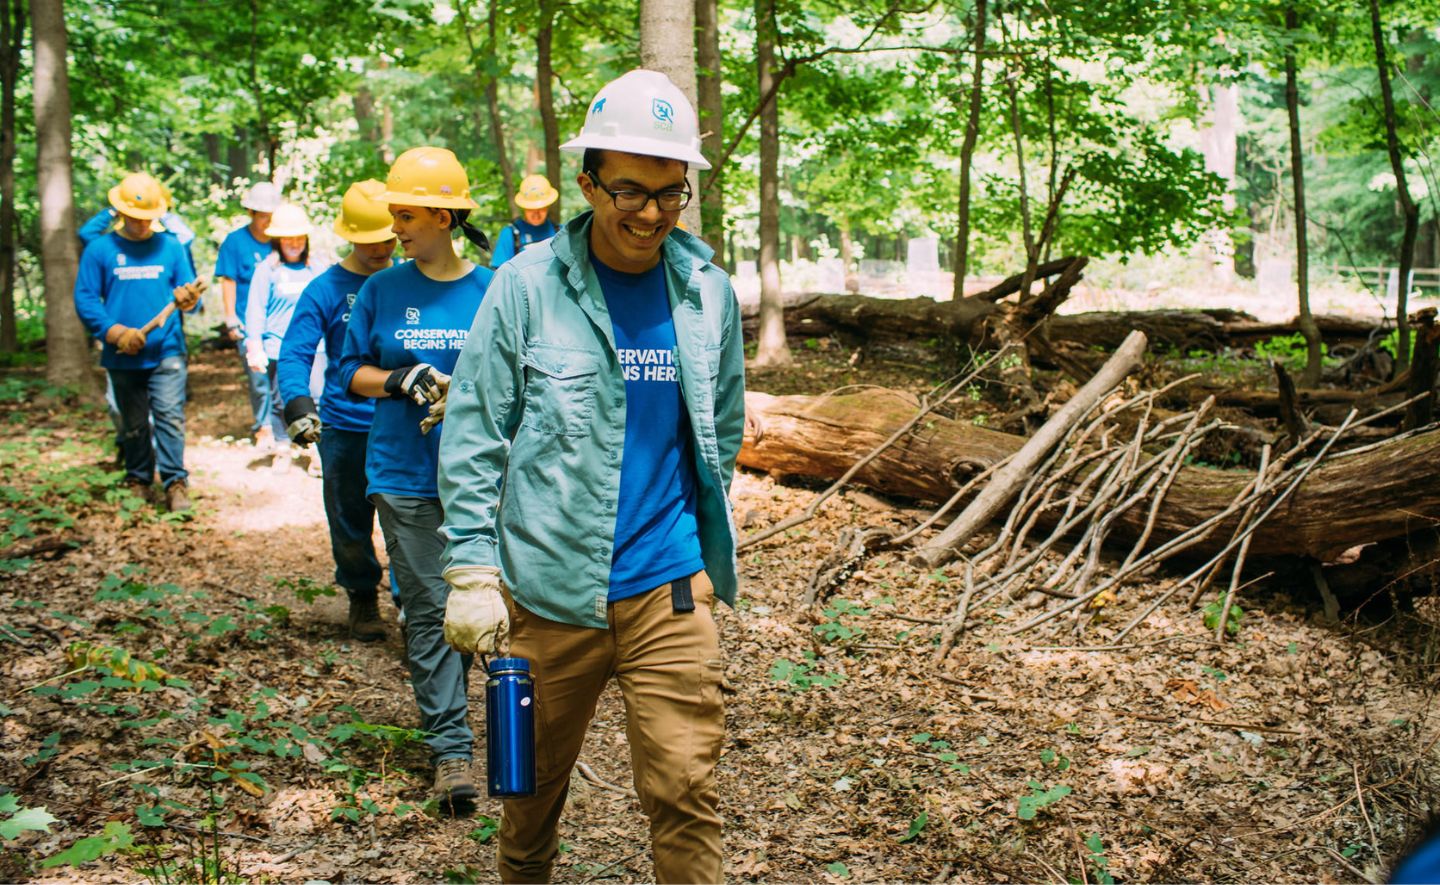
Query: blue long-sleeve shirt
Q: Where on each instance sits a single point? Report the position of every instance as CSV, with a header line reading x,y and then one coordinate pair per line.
x,y
129,282
400,318
518,236
275,289
174,226
321,317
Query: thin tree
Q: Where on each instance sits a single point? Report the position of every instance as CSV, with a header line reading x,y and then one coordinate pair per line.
x,y
12,41
1308,328
66,344
771,347
1408,209
490,84
664,49
545,95
711,107
967,153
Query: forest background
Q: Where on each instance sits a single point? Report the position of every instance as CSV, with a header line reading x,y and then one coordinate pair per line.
x,y
1152,136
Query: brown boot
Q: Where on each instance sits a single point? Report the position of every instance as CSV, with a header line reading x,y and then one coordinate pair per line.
x,y
177,497
365,623
454,788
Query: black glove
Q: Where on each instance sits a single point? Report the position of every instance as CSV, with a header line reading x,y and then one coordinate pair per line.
x,y
422,383
302,421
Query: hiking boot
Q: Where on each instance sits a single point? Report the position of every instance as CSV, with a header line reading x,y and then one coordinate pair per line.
x,y
454,788
139,488
365,623
177,497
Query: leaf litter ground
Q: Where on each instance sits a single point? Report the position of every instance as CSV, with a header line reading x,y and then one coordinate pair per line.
x,y
1297,752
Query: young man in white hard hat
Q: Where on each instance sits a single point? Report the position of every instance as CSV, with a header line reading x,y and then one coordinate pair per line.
x,y
603,381
320,318
533,226
241,251
127,279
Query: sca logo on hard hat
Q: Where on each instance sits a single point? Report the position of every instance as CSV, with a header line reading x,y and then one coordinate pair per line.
x,y
664,114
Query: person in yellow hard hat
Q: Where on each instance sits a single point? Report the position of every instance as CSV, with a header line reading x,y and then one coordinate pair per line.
x,y
340,425
533,226
406,330
125,280
274,291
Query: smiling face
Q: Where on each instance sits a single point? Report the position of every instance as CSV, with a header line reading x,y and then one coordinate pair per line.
x,y
423,232
375,257
631,241
536,216
291,248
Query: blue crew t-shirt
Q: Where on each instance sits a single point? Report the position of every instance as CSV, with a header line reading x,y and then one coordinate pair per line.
x,y
239,254
276,287
129,282
656,536
321,317
402,317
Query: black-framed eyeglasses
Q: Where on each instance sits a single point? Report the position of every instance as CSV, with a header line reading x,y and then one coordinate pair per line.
x,y
629,199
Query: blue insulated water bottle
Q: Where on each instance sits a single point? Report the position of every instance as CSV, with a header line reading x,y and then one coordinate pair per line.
x,y
510,728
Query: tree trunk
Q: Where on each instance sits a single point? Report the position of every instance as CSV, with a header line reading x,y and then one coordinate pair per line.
x,y
12,41
1311,376
1408,208
544,86
1383,492
847,257
490,85
667,45
267,141
711,108
1219,144
771,349
67,345
967,154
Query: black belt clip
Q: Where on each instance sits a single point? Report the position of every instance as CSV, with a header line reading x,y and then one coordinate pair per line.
x,y
680,599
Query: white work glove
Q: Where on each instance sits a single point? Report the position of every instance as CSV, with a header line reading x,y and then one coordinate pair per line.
x,y
256,360
422,383
476,621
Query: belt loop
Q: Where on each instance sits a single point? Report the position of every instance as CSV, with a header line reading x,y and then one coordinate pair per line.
x,y
680,599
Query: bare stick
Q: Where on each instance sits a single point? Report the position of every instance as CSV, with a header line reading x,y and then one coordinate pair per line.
x,y
809,511
1249,530
1008,481
1239,563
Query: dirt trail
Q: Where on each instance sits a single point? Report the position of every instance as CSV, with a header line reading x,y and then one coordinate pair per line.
x,y
851,754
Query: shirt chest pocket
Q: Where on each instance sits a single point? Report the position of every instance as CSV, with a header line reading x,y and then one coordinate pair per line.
x,y
560,389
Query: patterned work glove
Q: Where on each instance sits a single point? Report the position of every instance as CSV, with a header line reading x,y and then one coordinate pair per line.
x,y
422,383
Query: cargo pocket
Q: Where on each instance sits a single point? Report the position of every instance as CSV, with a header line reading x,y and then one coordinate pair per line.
x,y
560,389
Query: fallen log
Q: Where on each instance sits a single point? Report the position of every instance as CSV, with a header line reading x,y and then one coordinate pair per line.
x,y
1372,494
861,320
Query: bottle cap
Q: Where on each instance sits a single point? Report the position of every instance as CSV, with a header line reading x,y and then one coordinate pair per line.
x,y
500,665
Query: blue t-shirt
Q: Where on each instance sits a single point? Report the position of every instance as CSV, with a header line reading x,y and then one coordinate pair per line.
x,y
402,317
174,226
239,254
506,246
130,282
320,318
276,287
656,537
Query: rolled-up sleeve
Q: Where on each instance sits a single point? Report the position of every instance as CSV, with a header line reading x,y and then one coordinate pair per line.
x,y
730,390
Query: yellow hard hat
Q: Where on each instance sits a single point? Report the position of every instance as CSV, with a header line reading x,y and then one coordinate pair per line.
x,y
364,218
138,195
535,193
428,176
288,221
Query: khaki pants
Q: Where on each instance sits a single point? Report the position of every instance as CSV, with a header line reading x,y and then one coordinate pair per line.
x,y
669,668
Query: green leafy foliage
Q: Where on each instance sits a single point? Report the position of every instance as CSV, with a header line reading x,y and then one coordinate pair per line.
x,y
1232,620
1038,798
15,820
801,675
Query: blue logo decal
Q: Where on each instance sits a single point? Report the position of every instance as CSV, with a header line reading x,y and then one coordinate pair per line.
x,y
599,107
662,110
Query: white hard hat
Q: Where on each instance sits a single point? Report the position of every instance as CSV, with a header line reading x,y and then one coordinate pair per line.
x,y
641,112
262,197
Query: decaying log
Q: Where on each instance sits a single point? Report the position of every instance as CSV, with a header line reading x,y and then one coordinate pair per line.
x,y
1006,483
1379,492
